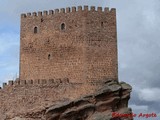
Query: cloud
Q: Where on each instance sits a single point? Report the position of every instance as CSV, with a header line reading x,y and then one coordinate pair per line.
x,y
149,94
138,50
8,41
11,10
139,108
143,109
9,55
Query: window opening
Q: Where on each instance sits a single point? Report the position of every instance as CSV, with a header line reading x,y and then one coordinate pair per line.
x,y
49,57
35,29
62,26
102,24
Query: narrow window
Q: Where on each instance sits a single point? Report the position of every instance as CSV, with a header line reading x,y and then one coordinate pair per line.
x,y
62,26
102,24
41,19
35,29
49,56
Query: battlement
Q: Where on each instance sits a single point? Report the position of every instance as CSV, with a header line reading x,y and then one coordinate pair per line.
x,y
68,10
22,96
35,82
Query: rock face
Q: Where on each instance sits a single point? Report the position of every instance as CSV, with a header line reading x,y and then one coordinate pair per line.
x,y
111,98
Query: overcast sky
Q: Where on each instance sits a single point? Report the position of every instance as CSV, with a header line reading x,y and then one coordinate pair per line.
x,y
138,31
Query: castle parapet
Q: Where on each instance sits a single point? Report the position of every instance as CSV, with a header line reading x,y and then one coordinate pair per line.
x,y
4,85
68,10
62,10
79,8
34,14
39,13
74,9
45,13
23,83
56,11
10,82
51,12
92,8
99,9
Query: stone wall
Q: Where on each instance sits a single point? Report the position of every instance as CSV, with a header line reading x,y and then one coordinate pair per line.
x,y
23,96
80,44
48,100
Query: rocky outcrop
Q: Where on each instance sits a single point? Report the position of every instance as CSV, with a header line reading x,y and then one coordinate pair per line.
x,y
108,103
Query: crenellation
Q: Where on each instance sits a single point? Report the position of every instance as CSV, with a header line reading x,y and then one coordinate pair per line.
x,y
23,15
62,10
34,14
45,13
80,8
92,8
17,82
68,10
39,13
4,85
23,83
10,82
51,12
56,11
106,9
28,14
86,8
113,10
73,9
99,9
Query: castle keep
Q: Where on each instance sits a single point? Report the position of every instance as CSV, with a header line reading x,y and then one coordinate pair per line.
x,y
64,54
77,44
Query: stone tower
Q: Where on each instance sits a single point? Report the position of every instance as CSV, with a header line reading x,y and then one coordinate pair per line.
x,y
78,43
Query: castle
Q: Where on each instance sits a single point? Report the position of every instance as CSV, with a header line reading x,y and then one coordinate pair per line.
x,y
80,45
64,54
